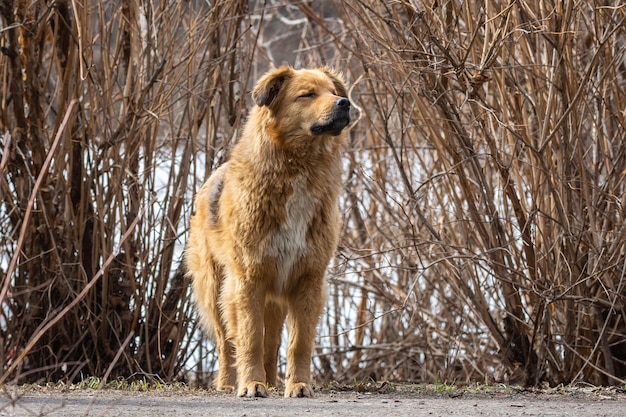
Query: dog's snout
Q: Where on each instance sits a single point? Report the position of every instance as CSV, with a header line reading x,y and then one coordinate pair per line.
x,y
343,103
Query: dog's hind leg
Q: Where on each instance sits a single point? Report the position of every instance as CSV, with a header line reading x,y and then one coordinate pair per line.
x,y
274,319
227,376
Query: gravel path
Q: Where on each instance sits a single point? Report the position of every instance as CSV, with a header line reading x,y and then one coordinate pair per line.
x,y
110,403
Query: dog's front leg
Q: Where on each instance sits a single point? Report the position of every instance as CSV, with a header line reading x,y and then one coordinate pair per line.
x,y
303,314
249,300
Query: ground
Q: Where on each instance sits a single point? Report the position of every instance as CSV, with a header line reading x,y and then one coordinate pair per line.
x,y
379,400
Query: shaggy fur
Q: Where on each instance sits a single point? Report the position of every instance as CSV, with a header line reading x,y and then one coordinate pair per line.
x,y
265,228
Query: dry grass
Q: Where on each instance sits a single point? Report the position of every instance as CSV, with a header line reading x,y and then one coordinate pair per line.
x,y
484,228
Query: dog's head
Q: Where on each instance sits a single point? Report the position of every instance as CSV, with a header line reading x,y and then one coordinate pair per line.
x,y
307,102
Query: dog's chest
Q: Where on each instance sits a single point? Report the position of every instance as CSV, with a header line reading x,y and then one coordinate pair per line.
x,y
288,243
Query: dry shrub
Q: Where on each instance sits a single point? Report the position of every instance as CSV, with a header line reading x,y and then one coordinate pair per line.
x,y
145,87
483,232
485,221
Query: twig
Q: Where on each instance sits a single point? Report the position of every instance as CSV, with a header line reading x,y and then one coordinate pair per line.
x,y
31,200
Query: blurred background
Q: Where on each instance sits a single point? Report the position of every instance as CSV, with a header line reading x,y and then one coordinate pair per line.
x,y
484,233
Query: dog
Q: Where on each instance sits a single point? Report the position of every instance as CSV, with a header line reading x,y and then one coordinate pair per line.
x,y
265,227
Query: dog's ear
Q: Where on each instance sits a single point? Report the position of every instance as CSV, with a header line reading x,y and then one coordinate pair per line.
x,y
268,87
338,81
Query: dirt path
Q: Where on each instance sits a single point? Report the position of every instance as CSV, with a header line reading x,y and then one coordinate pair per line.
x,y
110,403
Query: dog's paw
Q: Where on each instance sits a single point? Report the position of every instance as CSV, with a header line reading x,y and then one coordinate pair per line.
x,y
225,387
226,381
252,389
298,389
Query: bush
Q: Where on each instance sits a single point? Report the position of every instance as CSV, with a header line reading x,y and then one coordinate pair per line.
x,y
483,232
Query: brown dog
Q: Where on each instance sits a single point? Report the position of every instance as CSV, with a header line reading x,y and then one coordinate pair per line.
x,y
265,227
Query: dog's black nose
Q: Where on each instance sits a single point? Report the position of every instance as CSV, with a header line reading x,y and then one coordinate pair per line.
x,y
343,103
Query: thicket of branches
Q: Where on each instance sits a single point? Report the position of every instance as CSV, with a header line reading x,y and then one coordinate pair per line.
x,y
484,184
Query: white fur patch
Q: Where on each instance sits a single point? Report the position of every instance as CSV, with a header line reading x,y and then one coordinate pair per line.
x,y
288,243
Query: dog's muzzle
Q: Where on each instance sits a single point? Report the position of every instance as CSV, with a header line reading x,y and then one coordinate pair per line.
x,y
339,119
